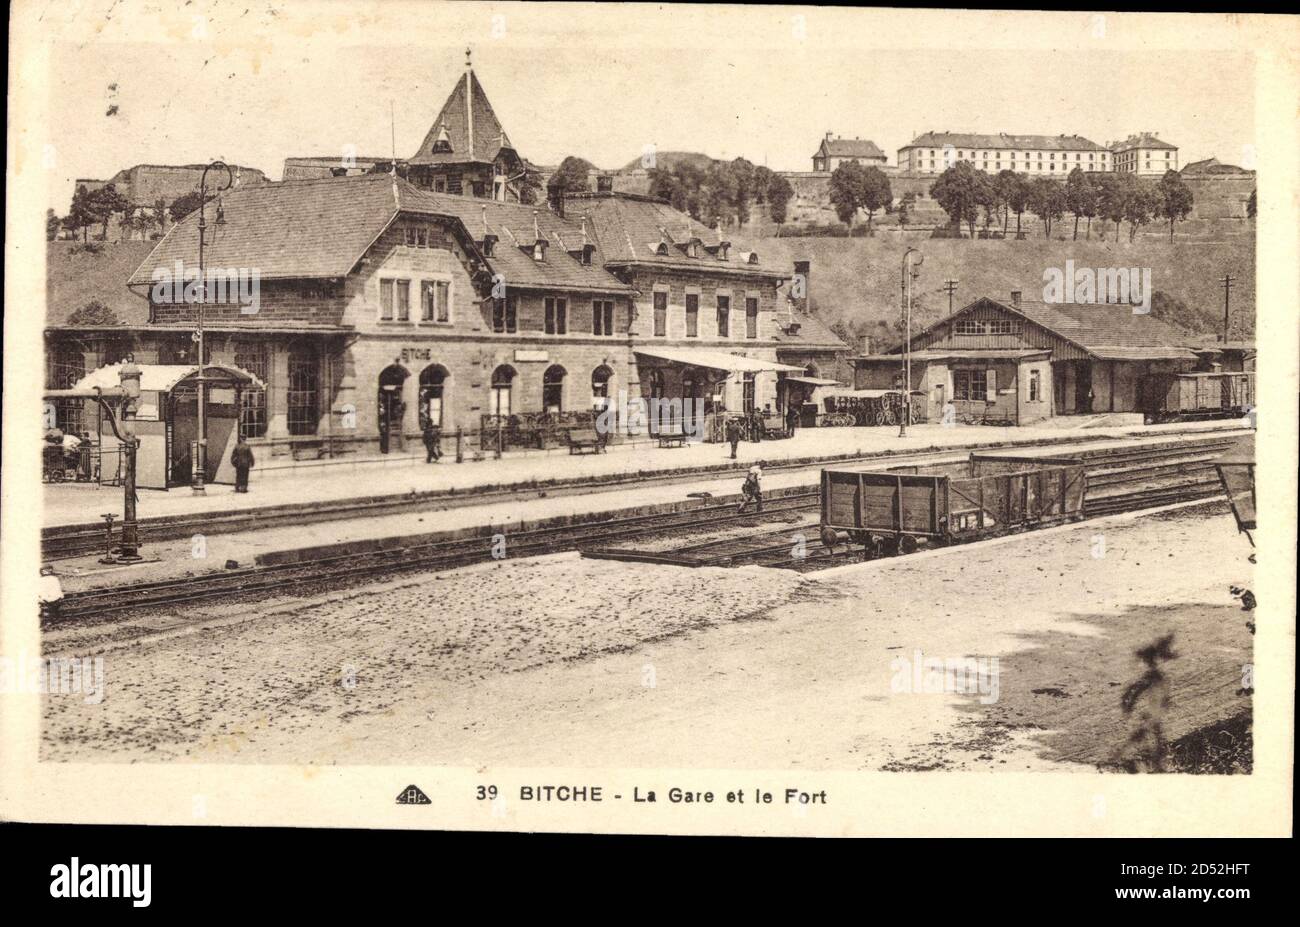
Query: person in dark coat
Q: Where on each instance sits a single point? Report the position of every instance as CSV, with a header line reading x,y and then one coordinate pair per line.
x,y
733,435
241,458
432,450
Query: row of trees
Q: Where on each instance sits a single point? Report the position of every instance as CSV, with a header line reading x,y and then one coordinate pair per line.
x,y
968,196
99,207
723,190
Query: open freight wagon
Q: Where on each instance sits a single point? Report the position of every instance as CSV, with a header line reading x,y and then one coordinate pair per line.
x,y
896,510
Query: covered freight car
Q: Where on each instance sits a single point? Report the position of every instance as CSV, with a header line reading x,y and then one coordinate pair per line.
x,y
1171,397
896,510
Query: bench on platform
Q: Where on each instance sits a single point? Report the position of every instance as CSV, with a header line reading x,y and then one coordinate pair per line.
x,y
673,437
584,439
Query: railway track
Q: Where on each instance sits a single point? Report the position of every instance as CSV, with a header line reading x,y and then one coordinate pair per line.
x,y
1132,480
69,541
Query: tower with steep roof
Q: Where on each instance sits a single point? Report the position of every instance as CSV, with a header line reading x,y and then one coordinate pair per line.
x,y
466,151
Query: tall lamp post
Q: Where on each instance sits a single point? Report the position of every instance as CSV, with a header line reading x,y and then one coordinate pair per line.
x,y
199,465
910,273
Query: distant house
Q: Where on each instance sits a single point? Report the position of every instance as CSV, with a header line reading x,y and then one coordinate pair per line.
x,y
1144,154
1049,155
836,151
1024,361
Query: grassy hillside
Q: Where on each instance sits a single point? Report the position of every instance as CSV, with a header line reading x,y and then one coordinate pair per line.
x,y
75,275
856,281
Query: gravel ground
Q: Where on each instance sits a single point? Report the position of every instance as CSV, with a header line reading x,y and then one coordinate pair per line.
x,y
575,662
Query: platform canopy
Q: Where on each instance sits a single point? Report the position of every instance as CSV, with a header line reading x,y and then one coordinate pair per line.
x,y
163,378
717,360
812,381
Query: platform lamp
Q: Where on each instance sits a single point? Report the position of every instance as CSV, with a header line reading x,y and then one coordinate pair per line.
x,y
199,461
910,273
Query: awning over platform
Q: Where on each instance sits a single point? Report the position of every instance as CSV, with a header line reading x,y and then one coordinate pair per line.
x,y
812,381
163,378
716,360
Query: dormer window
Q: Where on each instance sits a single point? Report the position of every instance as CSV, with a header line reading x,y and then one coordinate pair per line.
x,y
588,250
441,144
749,257
539,250
659,248
720,250
489,242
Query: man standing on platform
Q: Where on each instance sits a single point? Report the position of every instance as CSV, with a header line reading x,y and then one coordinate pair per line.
x,y
241,458
431,448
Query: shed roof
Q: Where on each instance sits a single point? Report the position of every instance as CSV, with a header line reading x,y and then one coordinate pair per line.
x,y
163,377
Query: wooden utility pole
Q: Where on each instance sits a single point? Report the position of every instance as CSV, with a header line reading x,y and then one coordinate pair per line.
x,y
950,286
1226,282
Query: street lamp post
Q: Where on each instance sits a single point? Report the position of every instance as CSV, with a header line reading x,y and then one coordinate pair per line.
x,y
199,464
909,274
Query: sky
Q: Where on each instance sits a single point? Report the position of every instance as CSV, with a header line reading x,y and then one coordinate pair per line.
x,y
312,76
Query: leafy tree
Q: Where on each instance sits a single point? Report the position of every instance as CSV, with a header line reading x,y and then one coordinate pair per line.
x,y
1173,199
744,183
1004,185
1140,206
1047,201
1114,193
1081,198
94,313
960,191
1017,193
778,195
81,215
905,209
105,203
847,191
1252,205
571,176
52,225
185,204
876,193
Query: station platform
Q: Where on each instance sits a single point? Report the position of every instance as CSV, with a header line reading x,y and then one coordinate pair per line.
x,y
703,469
85,503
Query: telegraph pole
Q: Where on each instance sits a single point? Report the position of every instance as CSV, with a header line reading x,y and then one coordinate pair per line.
x,y
1226,282
950,286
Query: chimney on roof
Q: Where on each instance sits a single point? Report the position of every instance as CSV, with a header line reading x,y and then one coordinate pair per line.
x,y
1015,298
801,287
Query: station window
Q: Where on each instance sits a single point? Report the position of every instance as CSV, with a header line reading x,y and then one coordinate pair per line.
x,y
747,394
692,315
751,316
553,389
386,300
1035,386
602,317
435,301
600,378
724,316
502,380
971,385
403,289
661,313
505,315
251,358
557,312
302,399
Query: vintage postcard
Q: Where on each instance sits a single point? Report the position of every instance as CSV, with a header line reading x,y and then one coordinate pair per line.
x,y
634,418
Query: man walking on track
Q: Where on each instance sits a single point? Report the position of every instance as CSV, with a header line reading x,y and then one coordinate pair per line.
x,y
241,458
753,488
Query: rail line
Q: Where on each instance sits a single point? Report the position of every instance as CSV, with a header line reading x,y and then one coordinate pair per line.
x,y
1135,480
68,541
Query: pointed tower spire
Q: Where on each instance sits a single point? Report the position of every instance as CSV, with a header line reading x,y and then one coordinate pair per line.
x,y
469,100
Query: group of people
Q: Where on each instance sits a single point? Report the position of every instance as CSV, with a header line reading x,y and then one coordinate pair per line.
x,y
69,451
753,426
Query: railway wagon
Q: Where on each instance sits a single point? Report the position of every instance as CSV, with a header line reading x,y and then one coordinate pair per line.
x,y
896,510
1169,397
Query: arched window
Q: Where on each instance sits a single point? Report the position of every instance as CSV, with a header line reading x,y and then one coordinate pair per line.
x,y
502,379
600,378
433,381
553,389
302,398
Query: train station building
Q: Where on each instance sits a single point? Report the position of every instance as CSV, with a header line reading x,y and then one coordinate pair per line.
x,y
1020,362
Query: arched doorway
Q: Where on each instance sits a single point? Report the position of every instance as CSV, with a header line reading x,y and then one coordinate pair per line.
x,y
391,408
600,378
553,389
433,386
503,379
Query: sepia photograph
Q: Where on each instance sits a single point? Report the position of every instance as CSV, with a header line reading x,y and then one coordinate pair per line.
x,y
633,418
